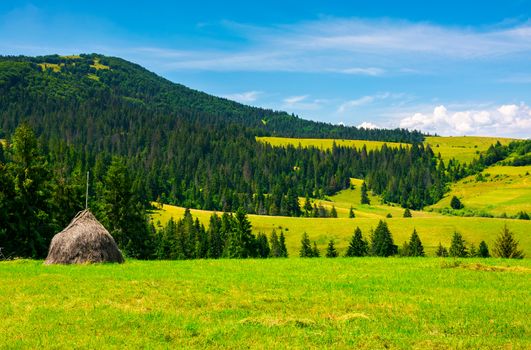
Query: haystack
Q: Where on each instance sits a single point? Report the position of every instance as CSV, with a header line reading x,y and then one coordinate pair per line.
x,y
84,240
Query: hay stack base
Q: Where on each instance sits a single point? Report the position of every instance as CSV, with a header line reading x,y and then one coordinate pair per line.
x,y
84,240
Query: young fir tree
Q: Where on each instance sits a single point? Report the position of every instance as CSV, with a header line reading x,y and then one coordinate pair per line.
x,y
242,242
407,213
455,203
331,251
333,212
358,246
506,246
283,248
382,242
315,251
404,249
351,214
441,251
275,251
215,241
472,251
415,245
364,196
307,207
483,251
458,246
306,247
262,246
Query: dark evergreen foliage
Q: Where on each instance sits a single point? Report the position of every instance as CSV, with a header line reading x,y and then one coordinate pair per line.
x,y
358,246
506,246
458,247
364,196
351,214
306,247
382,241
441,251
407,213
455,203
316,253
415,247
483,251
331,251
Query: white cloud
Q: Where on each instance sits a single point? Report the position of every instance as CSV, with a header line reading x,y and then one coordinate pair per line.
x,y
365,100
368,125
243,97
371,71
301,103
505,120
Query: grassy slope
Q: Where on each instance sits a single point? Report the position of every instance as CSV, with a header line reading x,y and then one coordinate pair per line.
x,y
506,189
462,148
366,303
325,143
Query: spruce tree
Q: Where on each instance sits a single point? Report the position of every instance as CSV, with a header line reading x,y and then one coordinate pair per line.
x,y
331,251
506,246
382,243
283,248
364,196
483,250
307,207
275,251
242,241
333,212
472,251
215,240
441,251
351,214
407,213
455,203
315,251
306,247
358,246
458,246
415,245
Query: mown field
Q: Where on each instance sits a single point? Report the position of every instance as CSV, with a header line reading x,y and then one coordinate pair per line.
x,y
499,190
462,148
326,143
364,303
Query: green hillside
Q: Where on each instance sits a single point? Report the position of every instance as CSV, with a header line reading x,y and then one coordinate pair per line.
x,y
462,148
496,191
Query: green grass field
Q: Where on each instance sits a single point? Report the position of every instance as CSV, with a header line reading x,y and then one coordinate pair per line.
x,y
462,148
326,143
503,189
364,303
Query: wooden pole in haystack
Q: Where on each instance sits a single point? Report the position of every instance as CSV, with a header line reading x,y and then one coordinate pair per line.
x,y
86,195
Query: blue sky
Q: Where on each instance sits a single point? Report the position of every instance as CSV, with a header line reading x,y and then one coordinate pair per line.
x,y
451,67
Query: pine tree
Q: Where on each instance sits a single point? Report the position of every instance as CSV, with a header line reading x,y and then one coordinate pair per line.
x,y
472,251
331,251
358,246
483,250
382,243
315,251
407,213
351,214
441,251
215,241
404,249
333,212
506,246
306,248
455,203
283,248
458,246
275,251
242,242
415,245
364,196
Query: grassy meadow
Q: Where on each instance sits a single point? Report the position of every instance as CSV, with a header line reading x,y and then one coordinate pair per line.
x,y
344,303
326,143
499,190
462,148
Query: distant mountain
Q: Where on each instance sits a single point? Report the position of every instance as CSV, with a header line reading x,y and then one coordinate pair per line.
x,y
193,149
64,83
